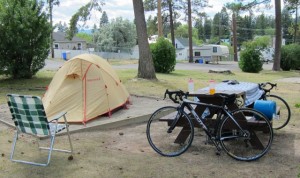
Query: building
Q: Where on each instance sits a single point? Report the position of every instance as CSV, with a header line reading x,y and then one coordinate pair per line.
x,y
205,53
61,42
210,53
182,48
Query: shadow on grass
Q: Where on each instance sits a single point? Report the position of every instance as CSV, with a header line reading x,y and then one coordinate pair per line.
x,y
35,86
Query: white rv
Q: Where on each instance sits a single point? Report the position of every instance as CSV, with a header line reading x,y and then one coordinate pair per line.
x,y
210,53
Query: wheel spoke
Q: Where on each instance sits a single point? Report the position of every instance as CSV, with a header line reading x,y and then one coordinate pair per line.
x,y
283,114
168,143
250,143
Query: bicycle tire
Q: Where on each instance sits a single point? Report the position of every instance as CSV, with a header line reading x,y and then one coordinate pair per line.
x,y
166,143
285,112
259,135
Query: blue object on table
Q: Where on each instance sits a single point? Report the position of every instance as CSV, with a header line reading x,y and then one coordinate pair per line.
x,y
268,108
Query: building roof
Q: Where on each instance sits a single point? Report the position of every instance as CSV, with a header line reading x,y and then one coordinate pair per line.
x,y
185,41
61,37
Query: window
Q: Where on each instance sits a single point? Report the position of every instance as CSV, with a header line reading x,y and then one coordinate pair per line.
x,y
180,54
79,46
197,54
56,45
215,49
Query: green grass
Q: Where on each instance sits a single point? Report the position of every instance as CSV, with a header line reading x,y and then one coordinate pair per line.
x,y
35,86
179,79
121,62
176,80
57,59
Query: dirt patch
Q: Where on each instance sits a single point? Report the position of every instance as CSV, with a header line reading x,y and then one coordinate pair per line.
x,y
125,152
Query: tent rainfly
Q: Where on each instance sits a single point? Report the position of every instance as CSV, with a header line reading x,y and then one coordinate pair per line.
x,y
85,87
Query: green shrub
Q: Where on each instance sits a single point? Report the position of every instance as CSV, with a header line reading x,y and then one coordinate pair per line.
x,y
250,57
164,56
286,59
25,38
250,60
290,57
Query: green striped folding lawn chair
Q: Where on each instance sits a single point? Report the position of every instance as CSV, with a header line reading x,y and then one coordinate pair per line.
x,y
29,117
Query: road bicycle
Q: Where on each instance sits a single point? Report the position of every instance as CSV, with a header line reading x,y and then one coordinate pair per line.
x,y
283,108
244,134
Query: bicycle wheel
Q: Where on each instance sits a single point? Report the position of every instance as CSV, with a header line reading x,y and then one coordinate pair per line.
x,y
251,140
284,114
169,143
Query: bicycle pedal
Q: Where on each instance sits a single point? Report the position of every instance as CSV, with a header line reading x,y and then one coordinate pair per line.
x,y
218,153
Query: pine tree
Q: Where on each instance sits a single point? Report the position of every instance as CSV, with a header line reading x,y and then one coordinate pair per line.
x,y
146,66
103,19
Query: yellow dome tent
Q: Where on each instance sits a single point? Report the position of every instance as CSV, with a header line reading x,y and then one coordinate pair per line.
x,y
85,87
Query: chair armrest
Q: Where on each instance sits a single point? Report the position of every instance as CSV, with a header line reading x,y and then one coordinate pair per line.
x,y
57,116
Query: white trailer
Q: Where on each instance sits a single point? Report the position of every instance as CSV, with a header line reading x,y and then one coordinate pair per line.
x,y
210,53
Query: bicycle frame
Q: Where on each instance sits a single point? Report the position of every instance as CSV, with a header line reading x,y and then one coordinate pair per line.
x,y
221,109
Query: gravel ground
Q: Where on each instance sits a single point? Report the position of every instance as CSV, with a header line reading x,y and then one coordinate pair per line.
x,y
125,152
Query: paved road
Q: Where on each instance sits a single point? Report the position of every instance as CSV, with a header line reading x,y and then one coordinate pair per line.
x,y
52,65
223,65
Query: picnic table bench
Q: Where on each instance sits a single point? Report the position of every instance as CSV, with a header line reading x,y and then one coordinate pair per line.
x,y
204,96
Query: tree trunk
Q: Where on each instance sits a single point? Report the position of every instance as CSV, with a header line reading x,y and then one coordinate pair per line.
x,y
146,67
171,22
51,34
234,37
296,24
190,32
276,64
159,19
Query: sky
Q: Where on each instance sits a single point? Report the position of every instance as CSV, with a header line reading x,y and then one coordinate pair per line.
x,y
119,8
113,8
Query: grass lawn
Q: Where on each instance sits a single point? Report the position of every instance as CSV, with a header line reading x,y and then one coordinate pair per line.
x,y
176,80
179,80
35,86
156,88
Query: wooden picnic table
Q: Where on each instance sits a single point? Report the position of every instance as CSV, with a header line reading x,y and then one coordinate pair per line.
x,y
204,96
211,121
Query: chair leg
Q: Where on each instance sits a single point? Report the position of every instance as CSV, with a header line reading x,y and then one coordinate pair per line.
x,y
28,162
67,127
55,149
14,145
70,142
51,148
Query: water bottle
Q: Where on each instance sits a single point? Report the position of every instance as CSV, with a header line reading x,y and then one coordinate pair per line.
x,y
212,89
191,86
205,113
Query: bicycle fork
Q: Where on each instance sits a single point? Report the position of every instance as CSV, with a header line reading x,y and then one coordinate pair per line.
x,y
174,123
